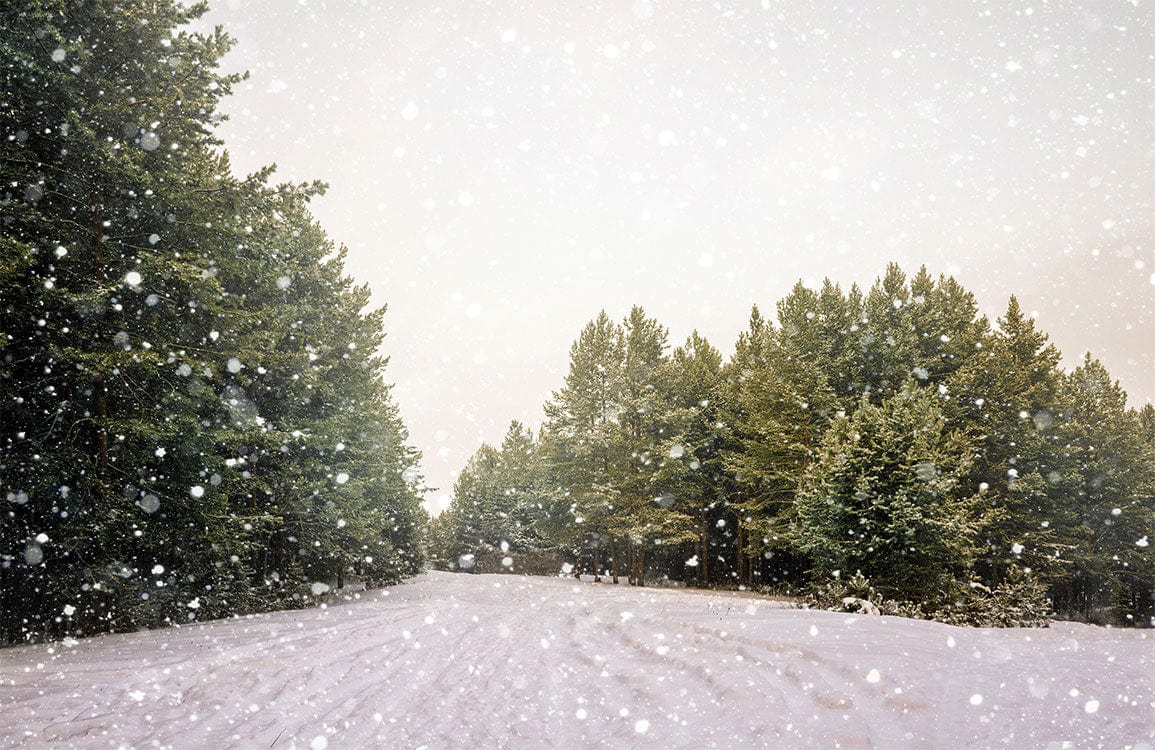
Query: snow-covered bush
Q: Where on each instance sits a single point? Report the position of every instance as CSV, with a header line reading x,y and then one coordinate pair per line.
x,y
1018,602
856,594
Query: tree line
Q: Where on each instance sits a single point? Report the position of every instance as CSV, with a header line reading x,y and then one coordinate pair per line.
x,y
192,417
895,436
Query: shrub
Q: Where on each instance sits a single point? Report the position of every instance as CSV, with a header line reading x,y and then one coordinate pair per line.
x,y
1018,602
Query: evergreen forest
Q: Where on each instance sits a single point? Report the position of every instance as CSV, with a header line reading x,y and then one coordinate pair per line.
x,y
889,445
193,421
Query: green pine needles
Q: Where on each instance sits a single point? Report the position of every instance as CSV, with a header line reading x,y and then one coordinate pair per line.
x,y
193,422
894,437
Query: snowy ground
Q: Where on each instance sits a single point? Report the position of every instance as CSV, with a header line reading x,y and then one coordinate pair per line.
x,y
499,661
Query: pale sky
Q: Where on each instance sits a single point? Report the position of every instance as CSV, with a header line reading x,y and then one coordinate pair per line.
x,y
502,171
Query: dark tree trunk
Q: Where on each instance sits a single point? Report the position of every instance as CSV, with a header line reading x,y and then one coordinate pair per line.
x,y
741,551
704,560
100,416
100,384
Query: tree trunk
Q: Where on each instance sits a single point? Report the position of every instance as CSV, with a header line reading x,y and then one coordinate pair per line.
x,y
100,384
704,560
741,554
614,558
100,407
597,562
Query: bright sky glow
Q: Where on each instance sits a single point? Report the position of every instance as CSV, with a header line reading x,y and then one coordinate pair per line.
x,y
501,172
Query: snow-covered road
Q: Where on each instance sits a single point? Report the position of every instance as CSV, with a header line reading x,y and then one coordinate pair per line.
x,y
500,661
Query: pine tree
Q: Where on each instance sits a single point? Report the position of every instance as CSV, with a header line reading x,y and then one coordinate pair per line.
x,y
311,405
646,514
692,472
581,442
1110,577
786,407
112,175
1009,399
1147,423
751,352
946,326
885,497
179,443
887,341
924,329
521,485
496,505
825,327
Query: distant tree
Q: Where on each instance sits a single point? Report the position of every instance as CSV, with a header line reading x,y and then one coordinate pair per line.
x,y
692,472
497,502
581,445
1113,503
523,486
896,433
647,513
751,352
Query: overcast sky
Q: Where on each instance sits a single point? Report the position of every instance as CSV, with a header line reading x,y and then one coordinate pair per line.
x,y
501,171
